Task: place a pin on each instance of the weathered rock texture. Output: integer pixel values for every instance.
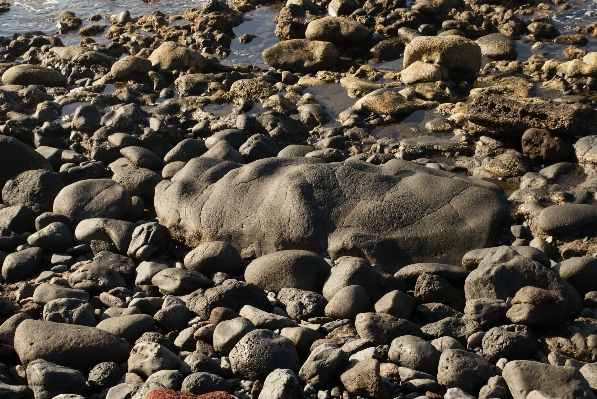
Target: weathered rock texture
(501, 116)
(393, 215)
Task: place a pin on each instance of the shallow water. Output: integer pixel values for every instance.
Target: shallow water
(41, 15)
(259, 23)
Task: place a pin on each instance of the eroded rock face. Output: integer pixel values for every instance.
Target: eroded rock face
(499, 116)
(456, 53)
(172, 55)
(300, 55)
(393, 215)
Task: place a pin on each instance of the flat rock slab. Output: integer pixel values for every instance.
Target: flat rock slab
(393, 215)
(500, 116)
(68, 345)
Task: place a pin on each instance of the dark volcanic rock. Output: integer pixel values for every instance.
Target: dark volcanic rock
(16, 157)
(262, 351)
(35, 189)
(542, 145)
(392, 215)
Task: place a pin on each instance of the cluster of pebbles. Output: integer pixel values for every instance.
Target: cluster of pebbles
(155, 247)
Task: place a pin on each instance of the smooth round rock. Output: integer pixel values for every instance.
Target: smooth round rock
(288, 269)
(129, 327)
(17, 266)
(348, 303)
(580, 272)
(381, 328)
(203, 383)
(174, 281)
(68, 345)
(55, 237)
(96, 198)
(415, 353)
(214, 256)
(142, 157)
(130, 66)
(566, 218)
(27, 75)
(229, 332)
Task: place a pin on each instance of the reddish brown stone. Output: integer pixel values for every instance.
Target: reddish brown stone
(216, 395)
(344, 330)
(363, 379)
(163, 393)
(537, 308)
(220, 314)
(204, 347)
(205, 333)
(542, 145)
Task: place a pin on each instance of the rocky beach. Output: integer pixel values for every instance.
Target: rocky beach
(313, 199)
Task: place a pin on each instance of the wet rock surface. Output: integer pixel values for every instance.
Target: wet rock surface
(326, 199)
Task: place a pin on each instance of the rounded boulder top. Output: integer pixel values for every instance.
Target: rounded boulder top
(92, 199)
(17, 157)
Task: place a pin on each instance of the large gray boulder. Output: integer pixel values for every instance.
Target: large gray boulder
(35, 189)
(525, 376)
(504, 273)
(288, 269)
(16, 157)
(392, 215)
(68, 345)
(47, 380)
(93, 198)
